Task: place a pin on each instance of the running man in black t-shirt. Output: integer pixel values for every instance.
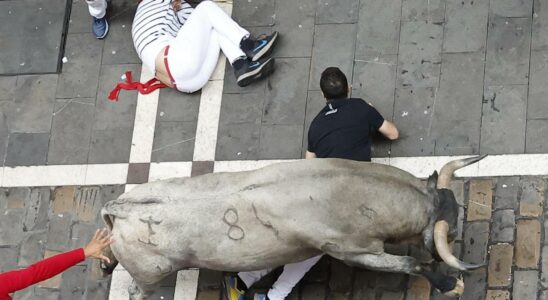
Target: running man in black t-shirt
(342, 129)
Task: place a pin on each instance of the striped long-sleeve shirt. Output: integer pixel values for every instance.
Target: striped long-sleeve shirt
(154, 25)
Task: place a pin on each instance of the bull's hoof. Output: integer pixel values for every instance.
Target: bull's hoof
(457, 290)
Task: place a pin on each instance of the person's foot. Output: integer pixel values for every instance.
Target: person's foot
(260, 296)
(262, 46)
(234, 288)
(250, 71)
(99, 27)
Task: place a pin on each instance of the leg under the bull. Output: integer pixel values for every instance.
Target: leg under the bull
(408, 265)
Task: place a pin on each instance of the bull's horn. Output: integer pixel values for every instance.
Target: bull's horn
(449, 168)
(440, 239)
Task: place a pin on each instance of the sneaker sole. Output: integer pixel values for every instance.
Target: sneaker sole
(266, 69)
(267, 48)
(105, 34)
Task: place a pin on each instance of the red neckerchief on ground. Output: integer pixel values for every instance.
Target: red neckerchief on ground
(130, 85)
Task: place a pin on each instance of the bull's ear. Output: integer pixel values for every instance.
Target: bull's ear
(432, 181)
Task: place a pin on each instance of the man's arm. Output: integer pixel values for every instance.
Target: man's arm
(389, 130)
(309, 155)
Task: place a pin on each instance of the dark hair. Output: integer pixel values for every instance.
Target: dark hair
(333, 83)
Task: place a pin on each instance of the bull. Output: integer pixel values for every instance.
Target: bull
(285, 213)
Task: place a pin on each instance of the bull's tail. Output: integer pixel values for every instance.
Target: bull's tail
(108, 268)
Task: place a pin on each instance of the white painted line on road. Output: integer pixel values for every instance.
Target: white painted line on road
(159, 171)
(208, 121)
(513, 165)
(121, 280)
(106, 174)
(145, 122)
(44, 175)
(1, 175)
(186, 286)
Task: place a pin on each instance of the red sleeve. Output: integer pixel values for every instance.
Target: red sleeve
(19, 279)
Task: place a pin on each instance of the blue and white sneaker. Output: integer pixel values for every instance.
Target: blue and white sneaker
(263, 45)
(99, 27)
(251, 71)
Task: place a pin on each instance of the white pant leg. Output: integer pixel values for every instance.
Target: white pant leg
(290, 276)
(97, 8)
(224, 25)
(199, 80)
(249, 278)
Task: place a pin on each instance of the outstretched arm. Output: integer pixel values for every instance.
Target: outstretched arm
(47, 268)
(389, 130)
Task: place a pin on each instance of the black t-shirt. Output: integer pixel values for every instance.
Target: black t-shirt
(342, 129)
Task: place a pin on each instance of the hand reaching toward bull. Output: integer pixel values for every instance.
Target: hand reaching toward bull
(101, 239)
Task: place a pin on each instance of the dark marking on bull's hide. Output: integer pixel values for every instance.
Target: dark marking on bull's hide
(235, 232)
(150, 221)
(168, 270)
(266, 224)
(367, 212)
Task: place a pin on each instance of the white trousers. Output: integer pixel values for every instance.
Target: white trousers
(97, 8)
(194, 53)
(290, 276)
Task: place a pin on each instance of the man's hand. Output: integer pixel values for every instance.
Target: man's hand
(101, 239)
(309, 155)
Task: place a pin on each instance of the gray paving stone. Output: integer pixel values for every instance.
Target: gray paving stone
(241, 108)
(465, 29)
(390, 295)
(238, 141)
(71, 131)
(536, 141)
(507, 193)
(27, 149)
(175, 106)
(457, 111)
(118, 47)
(503, 225)
(32, 109)
(337, 11)
(80, 74)
(7, 87)
(540, 26)
(12, 219)
(544, 268)
(58, 236)
(73, 283)
(32, 248)
(537, 106)
(285, 100)
(374, 81)
(503, 119)
(37, 293)
(165, 293)
(419, 56)
(295, 22)
(423, 10)
(476, 236)
(413, 117)
(110, 146)
(4, 130)
(254, 13)
(379, 28)
(508, 49)
(511, 8)
(314, 103)
(364, 285)
(80, 19)
(525, 285)
(475, 283)
(330, 39)
(31, 25)
(81, 234)
(8, 258)
(543, 295)
(120, 114)
(281, 141)
(37, 208)
(97, 290)
(174, 141)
